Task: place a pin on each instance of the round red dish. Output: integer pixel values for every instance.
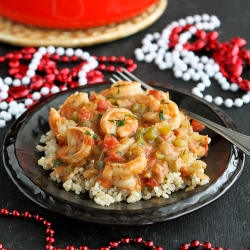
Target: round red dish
(72, 14)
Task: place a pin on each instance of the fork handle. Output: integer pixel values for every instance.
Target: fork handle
(238, 139)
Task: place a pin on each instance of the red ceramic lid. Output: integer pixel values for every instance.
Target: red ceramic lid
(72, 13)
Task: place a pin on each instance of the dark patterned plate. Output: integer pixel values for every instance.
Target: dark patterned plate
(225, 164)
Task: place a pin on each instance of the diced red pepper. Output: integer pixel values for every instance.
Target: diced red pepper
(110, 141)
(165, 137)
(106, 183)
(149, 182)
(92, 97)
(156, 93)
(104, 105)
(83, 115)
(197, 126)
(184, 172)
(114, 157)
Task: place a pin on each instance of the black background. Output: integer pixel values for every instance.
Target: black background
(224, 223)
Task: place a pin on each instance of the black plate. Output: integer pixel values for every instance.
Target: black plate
(225, 164)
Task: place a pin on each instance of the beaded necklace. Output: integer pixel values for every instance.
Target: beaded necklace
(50, 237)
(172, 49)
(27, 84)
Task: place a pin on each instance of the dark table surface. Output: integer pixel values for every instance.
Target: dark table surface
(225, 222)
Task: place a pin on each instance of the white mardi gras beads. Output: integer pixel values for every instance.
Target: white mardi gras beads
(185, 64)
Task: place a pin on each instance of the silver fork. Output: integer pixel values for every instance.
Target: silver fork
(238, 139)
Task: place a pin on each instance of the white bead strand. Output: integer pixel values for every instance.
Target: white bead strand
(185, 64)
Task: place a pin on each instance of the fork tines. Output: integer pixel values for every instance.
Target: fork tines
(127, 76)
(121, 74)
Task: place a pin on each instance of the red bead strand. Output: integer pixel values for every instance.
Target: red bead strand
(47, 74)
(231, 56)
(125, 240)
(50, 240)
(195, 244)
(34, 74)
(207, 246)
(184, 246)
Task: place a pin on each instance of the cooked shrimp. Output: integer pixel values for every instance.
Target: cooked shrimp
(130, 183)
(122, 175)
(168, 113)
(106, 176)
(151, 116)
(152, 103)
(124, 103)
(159, 94)
(119, 121)
(124, 145)
(74, 102)
(59, 125)
(159, 171)
(174, 112)
(129, 169)
(123, 89)
(169, 150)
(79, 145)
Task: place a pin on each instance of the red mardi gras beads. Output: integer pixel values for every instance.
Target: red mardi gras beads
(230, 56)
(51, 76)
(195, 244)
(29, 83)
(50, 239)
(187, 46)
(207, 246)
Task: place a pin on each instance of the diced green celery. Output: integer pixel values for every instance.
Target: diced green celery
(191, 170)
(185, 123)
(141, 140)
(158, 139)
(100, 165)
(113, 101)
(159, 155)
(197, 167)
(151, 134)
(199, 164)
(185, 157)
(96, 150)
(139, 132)
(137, 151)
(75, 117)
(180, 143)
(172, 166)
(165, 129)
(136, 107)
